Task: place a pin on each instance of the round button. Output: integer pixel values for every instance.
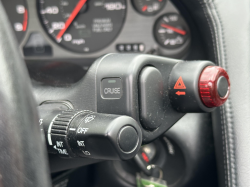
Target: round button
(222, 86)
(214, 86)
(128, 139)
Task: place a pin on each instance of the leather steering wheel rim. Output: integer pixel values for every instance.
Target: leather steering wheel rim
(23, 158)
(224, 26)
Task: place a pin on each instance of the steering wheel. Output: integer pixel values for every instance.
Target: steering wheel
(23, 158)
(224, 26)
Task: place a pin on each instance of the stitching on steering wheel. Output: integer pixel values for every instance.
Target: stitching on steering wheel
(222, 112)
(211, 31)
(226, 112)
(216, 61)
(227, 109)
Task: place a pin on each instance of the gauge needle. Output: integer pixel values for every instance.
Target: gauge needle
(71, 18)
(180, 31)
(144, 8)
(25, 20)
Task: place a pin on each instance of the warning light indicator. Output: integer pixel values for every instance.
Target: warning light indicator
(145, 157)
(179, 84)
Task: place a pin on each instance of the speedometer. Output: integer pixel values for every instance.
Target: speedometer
(83, 26)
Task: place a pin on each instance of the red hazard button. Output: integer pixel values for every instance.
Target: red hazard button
(197, 86)
(214, 86)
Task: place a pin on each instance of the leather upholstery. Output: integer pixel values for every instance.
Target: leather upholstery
(225, 27)
(23, 159)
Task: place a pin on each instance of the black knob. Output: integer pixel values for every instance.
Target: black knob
(128, 139)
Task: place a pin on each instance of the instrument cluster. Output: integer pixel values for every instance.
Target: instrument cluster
(78, 29)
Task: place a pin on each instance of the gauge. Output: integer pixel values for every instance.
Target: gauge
(171, 31)
(18, 15)
(149, 7)
(83, 26)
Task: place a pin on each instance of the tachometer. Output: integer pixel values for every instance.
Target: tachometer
(83, 26)
(18, 15)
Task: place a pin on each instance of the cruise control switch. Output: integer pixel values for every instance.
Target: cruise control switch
(72, 133)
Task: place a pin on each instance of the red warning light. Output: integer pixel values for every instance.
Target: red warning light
(145, 157)
(179, 84)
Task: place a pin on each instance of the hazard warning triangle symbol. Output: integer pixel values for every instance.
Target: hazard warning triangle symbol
(179, 84)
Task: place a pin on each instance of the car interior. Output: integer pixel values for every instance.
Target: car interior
(124, 93)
